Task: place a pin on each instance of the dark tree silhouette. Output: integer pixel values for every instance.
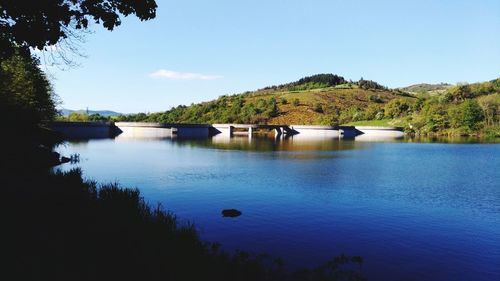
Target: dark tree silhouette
(41, 23)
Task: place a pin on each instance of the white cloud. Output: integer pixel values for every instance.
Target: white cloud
(175, 75)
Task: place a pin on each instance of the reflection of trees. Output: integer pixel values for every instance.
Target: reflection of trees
(263, 144)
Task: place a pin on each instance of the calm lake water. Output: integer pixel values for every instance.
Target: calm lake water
(414, 211)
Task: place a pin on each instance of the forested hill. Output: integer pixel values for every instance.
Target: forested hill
(329, 99)
(318, 99)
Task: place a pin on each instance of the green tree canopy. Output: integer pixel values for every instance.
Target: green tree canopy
(41, 23)
(26, 95)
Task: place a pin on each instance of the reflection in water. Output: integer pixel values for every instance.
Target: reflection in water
(413, 211)
(263, 144)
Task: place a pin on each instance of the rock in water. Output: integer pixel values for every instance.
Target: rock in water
(65, 159)
(231, 213)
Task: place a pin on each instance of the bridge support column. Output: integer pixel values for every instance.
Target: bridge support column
(224, 130)
(278, 132)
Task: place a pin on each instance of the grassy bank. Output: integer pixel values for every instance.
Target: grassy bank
(380, 123)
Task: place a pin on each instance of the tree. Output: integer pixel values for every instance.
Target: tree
(78, 117)
(491, 109)
(472, 114)
(459, 93)
(397, 108)
(272, 110)
(26, 96)
(369, 84)
(41, 23)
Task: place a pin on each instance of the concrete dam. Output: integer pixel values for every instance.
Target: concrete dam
(92, 130)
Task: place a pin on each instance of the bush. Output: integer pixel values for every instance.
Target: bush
(397, 108)
(376, 98)
(318, 108)
(472, 114)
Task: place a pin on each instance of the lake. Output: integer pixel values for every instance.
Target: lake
(412, 210)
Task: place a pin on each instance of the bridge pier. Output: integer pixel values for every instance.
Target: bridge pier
(225, 130)
(278, 133)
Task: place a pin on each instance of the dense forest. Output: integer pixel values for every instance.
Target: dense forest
(328, 99)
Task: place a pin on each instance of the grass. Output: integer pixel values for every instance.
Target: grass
(341, 97)
(381, 123)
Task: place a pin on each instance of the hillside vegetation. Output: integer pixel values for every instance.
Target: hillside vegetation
(424, 88)
(328, 99)
(320, 99)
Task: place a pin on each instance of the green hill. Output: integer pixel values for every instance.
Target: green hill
(319, 99)
(328, 99)
(424, 88)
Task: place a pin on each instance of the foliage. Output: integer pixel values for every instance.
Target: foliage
(491, 108)
(376, 98)
(374, 111)
(82, 117)
(397, 108)
(311, 82)
(426, 89)
(370, 85)
(26, 94)
(42, 23)
(318, 108)
(472, 114)
(461, 109)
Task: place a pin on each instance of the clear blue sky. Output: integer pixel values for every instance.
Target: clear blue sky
(197, 50)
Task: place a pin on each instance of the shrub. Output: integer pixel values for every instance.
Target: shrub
(376, 98)
(318, 107)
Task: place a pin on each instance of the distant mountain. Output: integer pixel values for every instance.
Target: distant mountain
(106, 113)
(426, 88)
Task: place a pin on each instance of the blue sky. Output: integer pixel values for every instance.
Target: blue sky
(197, 50)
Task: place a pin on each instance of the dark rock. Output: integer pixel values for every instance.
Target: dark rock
(65, 159)
(231, 213)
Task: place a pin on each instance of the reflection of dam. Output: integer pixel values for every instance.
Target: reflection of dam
(219, 131)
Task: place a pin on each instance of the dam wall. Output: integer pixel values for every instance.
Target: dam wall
(162, 130)
(84, 130)
(373, 133)
(310, 131)
(123, 130)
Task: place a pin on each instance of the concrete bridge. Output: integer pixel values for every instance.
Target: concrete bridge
(169, 130)
(164, 130)
(231, 129)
